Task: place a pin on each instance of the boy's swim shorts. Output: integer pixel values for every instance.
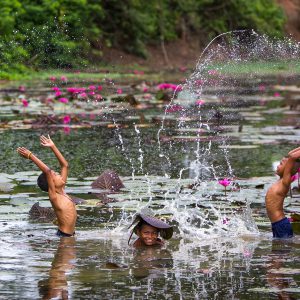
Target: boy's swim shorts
(62, 234)
(282, 229)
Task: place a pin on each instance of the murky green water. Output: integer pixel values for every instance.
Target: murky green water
(234, 260)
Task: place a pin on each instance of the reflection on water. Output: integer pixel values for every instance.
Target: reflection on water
(56, 285)
(278, 276)
(215, 261)
(151, 262)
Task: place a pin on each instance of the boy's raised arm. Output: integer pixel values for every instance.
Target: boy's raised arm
(47, 142)
(29, 155)
(293, 155)
(295, 151)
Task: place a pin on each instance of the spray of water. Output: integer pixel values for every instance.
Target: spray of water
(219, 82)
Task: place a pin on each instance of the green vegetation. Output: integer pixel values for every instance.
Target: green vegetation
(43, 34)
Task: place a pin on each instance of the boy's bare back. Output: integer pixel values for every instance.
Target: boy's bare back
(274, 200)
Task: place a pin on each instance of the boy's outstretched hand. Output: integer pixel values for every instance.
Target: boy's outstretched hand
(46, 141)
(24, 152)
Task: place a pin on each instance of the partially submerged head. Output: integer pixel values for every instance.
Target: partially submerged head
(43, 183)
(280, 168)
(149, 228)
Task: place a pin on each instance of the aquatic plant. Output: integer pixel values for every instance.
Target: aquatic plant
(225, 182)
(66, 119)
(25, 102)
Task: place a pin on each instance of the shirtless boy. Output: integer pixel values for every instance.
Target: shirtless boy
(54, 184)
(288, 166)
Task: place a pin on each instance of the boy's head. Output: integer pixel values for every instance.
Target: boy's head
(147, 233)
(282, 164)
(43, 183)
(149, 228)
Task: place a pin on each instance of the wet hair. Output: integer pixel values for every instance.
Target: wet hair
(42, 182)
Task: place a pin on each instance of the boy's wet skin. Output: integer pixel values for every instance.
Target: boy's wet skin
(148, 236)
(54, 183)
(148, 229)
(277, 192)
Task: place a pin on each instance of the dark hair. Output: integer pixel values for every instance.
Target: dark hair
(42, 182)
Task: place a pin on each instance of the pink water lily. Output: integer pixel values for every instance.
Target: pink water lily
(262, 87)
(98, 97)
(55, 89)
(22, 88)
(100, 88)
(66, 119)
(92, 87)
(82, 95)
(276, 94)
(58, 93)
(174, 108)
(67, 129)
(225, 182)
(169, 86)
(247, 253)
(137, 72)
(212, 72)
(200, 102)
(119, 91)
(73, 90)
(63, 78)
(52, 78)
(63, 100)
(25, 102)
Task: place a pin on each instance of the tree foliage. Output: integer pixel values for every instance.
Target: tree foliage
(64, 33)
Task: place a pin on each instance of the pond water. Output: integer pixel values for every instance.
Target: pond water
(170, 144)
(233, 257)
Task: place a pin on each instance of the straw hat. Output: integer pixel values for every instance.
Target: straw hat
(165, 230)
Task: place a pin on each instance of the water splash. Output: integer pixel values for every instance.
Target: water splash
(219, 83)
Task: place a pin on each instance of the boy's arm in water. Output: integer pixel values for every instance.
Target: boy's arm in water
(47, 142)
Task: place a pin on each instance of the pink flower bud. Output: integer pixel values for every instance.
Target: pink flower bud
(66, 119)
(25, 102)
(63, 100)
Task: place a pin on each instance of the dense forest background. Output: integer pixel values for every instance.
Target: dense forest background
(43, 34)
